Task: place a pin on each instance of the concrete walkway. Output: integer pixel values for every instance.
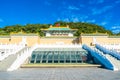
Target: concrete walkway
(60, 74)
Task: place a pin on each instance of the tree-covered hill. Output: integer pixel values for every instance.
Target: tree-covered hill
(36, 28)
(85, 27)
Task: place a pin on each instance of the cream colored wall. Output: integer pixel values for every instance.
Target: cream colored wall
(114, 40)
(15, 39)
(31, 40)
(108, 40)
(87, 40)
(55, 41)
(100, 39)
(4, 40)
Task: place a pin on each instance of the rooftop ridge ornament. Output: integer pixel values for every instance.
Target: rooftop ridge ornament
(67, 26)
(57, 25)
(51, 26)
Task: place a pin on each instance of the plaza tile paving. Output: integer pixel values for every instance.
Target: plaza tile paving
(60, 74)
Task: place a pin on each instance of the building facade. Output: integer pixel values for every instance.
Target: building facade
(59, 31)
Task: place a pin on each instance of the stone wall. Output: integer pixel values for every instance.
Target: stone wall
(89, 40)
(34, 39)
(5, 40)
(57, 41)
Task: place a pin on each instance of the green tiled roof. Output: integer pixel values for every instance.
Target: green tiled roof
(95, 34)
(22, 34)
(5, 36)
(59, 28)
(114, 36)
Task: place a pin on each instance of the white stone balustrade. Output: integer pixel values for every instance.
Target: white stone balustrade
(8, 49)
(24, 54)
(115, 47)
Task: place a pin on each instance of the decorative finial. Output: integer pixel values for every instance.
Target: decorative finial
(50, 26)
(67, 26)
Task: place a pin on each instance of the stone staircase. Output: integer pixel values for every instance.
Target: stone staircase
(114, 61)
(6, 63)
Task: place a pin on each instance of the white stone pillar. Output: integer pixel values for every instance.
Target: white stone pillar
(48, 34)
(70, 34)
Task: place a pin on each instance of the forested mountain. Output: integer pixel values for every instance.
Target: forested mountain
(85, 27)
(36, 28)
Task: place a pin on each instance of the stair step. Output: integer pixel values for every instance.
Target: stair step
(113, 60)
(7, 62)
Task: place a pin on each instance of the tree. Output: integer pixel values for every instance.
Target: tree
(82, 27)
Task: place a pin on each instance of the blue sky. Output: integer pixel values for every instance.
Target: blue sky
(102, 12)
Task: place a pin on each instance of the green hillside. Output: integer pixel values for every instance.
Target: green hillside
(36, 28)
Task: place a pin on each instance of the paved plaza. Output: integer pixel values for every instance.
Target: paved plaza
(60, 74)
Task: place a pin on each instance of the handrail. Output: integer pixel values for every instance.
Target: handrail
(21, 57)
(106, 51)
(103, 60)
(9, 49)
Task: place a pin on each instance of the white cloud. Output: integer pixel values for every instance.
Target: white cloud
(115, 27)
(58, 19)
(72, 19)
(73, 8)
(99, 11)
(1, 20)
(91, 21)
(116, 31)
(95, 1)
(103, 23)
(75, 19)
(66, 20)
(80, 17)
(63, 19)
(118, 1)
